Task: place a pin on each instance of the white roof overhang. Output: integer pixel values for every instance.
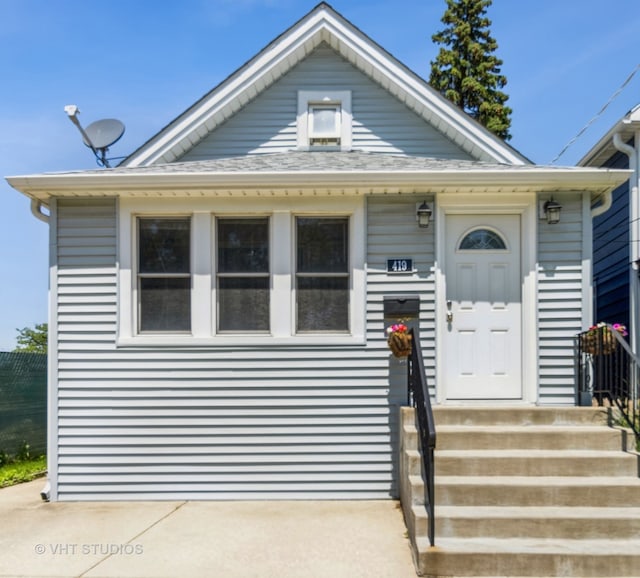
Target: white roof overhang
(170, 183)
(322, 24)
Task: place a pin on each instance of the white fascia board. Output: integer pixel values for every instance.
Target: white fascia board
(600, 153)
(284, 52)
(416, 88)
(42, 187)
(273, 57)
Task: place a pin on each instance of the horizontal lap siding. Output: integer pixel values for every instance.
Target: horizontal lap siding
(393, 233)
(207, 423)
(560, 302)
(381, 123)
(611, 259)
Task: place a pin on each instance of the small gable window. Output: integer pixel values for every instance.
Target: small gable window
(324, 120)
(324, 124)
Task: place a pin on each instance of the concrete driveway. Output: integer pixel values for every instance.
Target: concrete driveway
(209, 539)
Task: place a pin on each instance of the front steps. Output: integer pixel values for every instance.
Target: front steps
(524, 491)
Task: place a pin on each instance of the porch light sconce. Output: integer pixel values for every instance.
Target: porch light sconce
(423, 215)
(552, 211)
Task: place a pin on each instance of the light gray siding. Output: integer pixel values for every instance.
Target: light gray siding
(381, 123)
(560, 299)
(276, 422)
(221, 423)
(391, 234)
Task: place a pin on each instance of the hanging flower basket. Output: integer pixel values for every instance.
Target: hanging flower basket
(599, 339)
(399, 340)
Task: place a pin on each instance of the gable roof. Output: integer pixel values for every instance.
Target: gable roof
(627, 127)
(322, 24)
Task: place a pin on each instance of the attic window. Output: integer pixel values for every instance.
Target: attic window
(324, 124)
(324, 120)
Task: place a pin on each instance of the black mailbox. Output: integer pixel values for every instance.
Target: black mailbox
(401, 306)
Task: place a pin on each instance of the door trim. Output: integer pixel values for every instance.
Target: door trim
(523, 204)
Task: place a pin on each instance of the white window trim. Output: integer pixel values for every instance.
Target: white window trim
(282, 213)
(307, 98)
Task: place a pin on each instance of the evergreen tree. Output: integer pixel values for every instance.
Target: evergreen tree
(466, 70)
(32, 340)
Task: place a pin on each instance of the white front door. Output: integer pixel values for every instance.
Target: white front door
(483, 300)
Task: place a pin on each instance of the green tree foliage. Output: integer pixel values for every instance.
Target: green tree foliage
(32, 340)
(466, 70)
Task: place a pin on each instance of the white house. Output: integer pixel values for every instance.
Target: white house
(217, 325)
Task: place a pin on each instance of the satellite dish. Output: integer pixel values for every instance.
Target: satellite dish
(101, 134)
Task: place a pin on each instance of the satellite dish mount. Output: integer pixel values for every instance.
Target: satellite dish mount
(99, 135)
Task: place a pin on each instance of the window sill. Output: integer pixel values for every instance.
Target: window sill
(244, 341)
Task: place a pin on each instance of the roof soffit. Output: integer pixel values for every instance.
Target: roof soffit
(322, 24)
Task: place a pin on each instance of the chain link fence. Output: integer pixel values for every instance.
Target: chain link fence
(23, 403)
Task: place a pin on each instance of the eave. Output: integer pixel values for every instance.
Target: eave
(132, 183)
(627, 127)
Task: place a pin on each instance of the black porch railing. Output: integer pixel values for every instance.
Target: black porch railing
(419, 398)
(609, 373)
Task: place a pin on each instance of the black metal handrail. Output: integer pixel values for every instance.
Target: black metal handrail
(420, 399)
(609, 372)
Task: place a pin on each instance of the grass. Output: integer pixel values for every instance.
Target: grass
(22, 471)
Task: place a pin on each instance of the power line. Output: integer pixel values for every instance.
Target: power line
(597, 116)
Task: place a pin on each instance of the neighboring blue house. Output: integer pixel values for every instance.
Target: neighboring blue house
(616, 230)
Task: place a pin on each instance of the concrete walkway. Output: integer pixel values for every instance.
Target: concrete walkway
(200, 539)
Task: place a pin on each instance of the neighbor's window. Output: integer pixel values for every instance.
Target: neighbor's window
(164, 274)
(322, 274)
(243, 282)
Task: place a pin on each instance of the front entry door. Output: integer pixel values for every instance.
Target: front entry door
(483, 334)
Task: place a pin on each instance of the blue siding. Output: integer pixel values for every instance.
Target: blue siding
(611, 257)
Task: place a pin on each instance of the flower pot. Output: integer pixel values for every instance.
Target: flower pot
(400, 343)
(598, 343)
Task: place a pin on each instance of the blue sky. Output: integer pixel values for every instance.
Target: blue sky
(145, 61)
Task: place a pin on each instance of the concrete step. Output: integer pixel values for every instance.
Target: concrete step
(511, 437)
(414, 462)
(584, 523)
(520, 415)
(529, 557)
(561, 491)
(535, 463)
(525, 491)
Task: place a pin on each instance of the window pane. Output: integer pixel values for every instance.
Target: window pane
(243, 245)
(163, 245)
(482, 240)
(165, 304)
(243, 304)
(324, 121)
(323, 304)
(323, 245)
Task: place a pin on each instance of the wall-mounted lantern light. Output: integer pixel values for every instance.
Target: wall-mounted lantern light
(552, 211)
(423, 215)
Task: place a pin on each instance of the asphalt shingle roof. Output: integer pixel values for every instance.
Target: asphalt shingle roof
(318, 161)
